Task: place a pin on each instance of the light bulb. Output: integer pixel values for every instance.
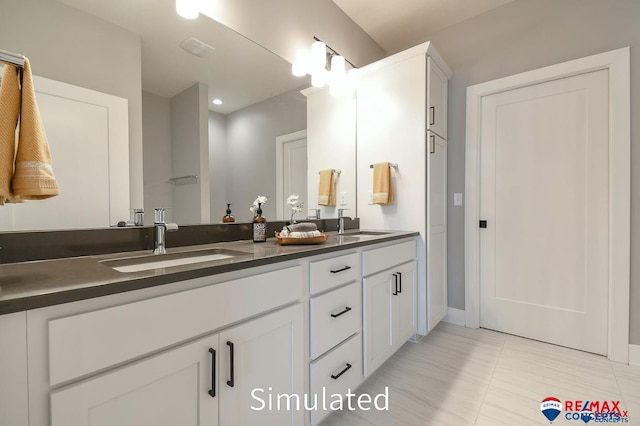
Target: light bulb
(318, 55)
(216, 101)
(298, 69)
(338, 79)
(188, 9)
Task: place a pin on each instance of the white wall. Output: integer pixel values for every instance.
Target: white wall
(331, 144)
(251, 150)
(518, 37)
(156, 128)
(189, 155)
(71, 46)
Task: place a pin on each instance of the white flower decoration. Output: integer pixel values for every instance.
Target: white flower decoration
(296, 204)
(262, 199)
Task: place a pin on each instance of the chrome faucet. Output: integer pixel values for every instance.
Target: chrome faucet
(159, 229)
(341, 221)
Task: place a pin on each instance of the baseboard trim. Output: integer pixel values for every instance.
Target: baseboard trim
(634, 354)
(455, 316)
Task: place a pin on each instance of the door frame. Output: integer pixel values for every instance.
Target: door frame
(617, 62)
(280, 141)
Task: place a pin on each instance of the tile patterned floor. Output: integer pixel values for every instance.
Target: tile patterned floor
(459, 376)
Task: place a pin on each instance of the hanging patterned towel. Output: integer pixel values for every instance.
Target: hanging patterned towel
(9, 113)
(327, 190)
(33, 178)
(382, 185)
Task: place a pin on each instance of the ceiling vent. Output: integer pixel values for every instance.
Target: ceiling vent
(197, 47)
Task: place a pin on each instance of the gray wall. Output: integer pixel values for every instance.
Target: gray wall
(189, 138)
(522, 36)
(251, 150)
(218, 166)
(156, 128)
(74, 47)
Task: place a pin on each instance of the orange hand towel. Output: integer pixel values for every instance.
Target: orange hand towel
(9, 113)
(382, 185)
(33, 178)
(327, 190)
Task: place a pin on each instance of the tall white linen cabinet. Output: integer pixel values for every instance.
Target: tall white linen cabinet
(402, 118)
(398, 114)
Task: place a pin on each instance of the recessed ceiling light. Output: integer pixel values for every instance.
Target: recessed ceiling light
(217, 102)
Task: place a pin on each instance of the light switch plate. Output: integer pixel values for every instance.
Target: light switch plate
(370, 192)
(343, 198)
(457, 199)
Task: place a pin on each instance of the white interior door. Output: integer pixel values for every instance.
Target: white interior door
(294, 173)
(544, 194)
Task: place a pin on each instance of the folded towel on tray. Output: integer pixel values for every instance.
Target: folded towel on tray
(302, 227)
(311, 234)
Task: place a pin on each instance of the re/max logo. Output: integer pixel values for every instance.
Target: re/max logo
(595, 407)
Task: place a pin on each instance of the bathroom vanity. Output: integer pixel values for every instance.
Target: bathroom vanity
(202, 343)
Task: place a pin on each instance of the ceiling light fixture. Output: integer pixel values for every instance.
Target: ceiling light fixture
(216, 102)
(188, 9)
(314, 63)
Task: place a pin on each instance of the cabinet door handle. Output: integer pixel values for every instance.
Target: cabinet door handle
(230, 382)
(432, 139)
(400, 281)
(395, 285)
(337, 376)
(212, 391)
(335, 271)
(346, 309)
(432, 121)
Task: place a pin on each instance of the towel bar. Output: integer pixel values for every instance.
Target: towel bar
(338, 171)
(193, 178)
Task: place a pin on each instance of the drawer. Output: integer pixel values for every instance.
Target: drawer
(325, 376)
(379, 259)
(89, 342)
(334, 316)
(329, 273)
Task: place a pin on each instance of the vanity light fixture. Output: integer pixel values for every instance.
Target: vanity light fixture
(314, 63)
(188, 9)
(216, 101)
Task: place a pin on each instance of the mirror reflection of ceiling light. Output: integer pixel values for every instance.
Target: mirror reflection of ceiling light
(217, 102)
(188, 9)
(314, 63)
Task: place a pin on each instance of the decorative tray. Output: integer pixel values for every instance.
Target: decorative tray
(283, 241)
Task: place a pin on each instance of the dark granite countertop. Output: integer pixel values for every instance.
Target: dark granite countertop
(36, 284)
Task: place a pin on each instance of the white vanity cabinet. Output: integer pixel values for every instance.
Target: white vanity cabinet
(113, 361)
(390, 301)
(168, 389)
(335, 329)
(14, 402)
(199, 382)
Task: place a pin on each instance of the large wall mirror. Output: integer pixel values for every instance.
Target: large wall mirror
(230, 147)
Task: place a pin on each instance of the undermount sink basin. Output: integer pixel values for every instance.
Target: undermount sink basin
(146, 263)
(366, 233)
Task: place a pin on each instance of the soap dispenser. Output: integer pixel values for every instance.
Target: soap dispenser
(259, 226)
(227, 218)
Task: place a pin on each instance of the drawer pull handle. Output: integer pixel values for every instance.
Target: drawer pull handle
(395, 286)
(212, 391)
(347, 309)
(337, 376)
(346, 268)
(400, 280)
(432, 110)
(230, 382)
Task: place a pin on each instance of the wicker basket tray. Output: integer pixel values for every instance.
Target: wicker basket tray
(283, 241)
